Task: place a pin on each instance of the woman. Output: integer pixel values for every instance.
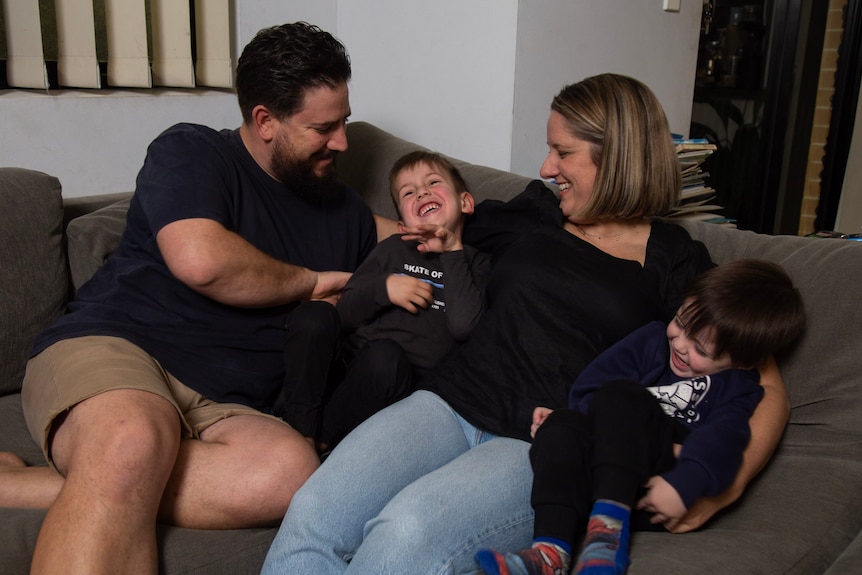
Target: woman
(422, 485)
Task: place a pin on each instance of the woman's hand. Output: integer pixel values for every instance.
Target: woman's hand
(663, 501)
(767, 425)
(408, 292)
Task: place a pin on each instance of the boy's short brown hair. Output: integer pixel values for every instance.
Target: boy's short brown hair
(432, 159)
(751, 307)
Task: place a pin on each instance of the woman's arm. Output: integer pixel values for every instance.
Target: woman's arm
(385, 227)
(767, 425)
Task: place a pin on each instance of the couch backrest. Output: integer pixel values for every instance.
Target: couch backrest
(366, 163)
(34, 281)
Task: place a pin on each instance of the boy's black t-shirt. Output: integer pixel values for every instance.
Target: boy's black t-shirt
(226, 353)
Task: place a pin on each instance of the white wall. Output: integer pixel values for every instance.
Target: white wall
(561, 42)
(439, 73)
(470, 78)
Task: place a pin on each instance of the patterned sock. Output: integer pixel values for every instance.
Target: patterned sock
(606, 546)
(543, 558)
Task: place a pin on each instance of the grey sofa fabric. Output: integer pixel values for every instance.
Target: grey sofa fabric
(33, 264)
(802, 515)
(93, 237)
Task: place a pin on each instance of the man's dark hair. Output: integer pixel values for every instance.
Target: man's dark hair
(281, 63)
(751, 306)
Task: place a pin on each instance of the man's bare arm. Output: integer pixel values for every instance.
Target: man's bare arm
(222, 265)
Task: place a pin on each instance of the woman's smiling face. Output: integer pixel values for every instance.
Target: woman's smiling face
(570, 164)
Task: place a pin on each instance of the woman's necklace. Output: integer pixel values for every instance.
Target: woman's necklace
(598, 237)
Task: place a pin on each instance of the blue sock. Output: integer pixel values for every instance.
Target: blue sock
(545, 557)
(606, 545)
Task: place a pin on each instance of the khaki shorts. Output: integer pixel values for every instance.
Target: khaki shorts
(73, 370)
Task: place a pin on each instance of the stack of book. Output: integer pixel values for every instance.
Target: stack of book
(697, 197)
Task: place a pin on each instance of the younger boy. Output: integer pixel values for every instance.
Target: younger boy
(590, 461)
(414, 296)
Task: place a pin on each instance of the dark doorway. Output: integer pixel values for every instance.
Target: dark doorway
(755, 95)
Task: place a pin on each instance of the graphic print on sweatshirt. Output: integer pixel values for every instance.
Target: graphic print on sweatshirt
(433, 277)
(681, 399)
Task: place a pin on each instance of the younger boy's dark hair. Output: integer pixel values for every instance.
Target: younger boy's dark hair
(432, 159)
(752, 307)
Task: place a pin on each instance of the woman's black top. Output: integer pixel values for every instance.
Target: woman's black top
(554, 302)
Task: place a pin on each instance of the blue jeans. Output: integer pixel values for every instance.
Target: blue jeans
(414, 489)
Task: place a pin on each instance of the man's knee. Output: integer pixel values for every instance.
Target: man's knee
(129, 433)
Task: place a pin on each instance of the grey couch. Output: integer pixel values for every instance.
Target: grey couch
(802, 515)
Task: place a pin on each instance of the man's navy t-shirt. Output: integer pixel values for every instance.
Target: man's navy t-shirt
(226, 353)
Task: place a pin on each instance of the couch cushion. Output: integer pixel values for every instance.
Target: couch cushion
(34, 282)
(14, 436)
(822, 372)
(186, 551)
(93, 237)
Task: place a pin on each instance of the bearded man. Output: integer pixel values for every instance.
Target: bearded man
(152, 398)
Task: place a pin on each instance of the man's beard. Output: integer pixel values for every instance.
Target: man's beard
(299, 175)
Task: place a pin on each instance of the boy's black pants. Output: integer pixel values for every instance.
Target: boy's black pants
(609, 453)
(325, 395)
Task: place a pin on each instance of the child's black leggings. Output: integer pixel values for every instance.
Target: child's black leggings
(609, 453)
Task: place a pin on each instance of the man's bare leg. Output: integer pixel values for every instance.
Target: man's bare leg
(195, 497)
(26, 487)
(117, 450)
(242, 473)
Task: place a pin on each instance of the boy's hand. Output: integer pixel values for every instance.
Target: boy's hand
(433, 238)
(663, 501)
(540, 414)
(409, 292)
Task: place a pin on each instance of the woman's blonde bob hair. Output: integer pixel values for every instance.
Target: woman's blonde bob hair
(638, 169)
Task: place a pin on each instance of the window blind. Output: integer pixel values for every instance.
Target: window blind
(128, 58)
(25, 61)
(212, 28)
(172, 43)
(77, 65)
(117, 43)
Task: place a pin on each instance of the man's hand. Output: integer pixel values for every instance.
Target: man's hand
(433, 238)
(328, 286)
(409, 293)
(540, 414)
(663, 501)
